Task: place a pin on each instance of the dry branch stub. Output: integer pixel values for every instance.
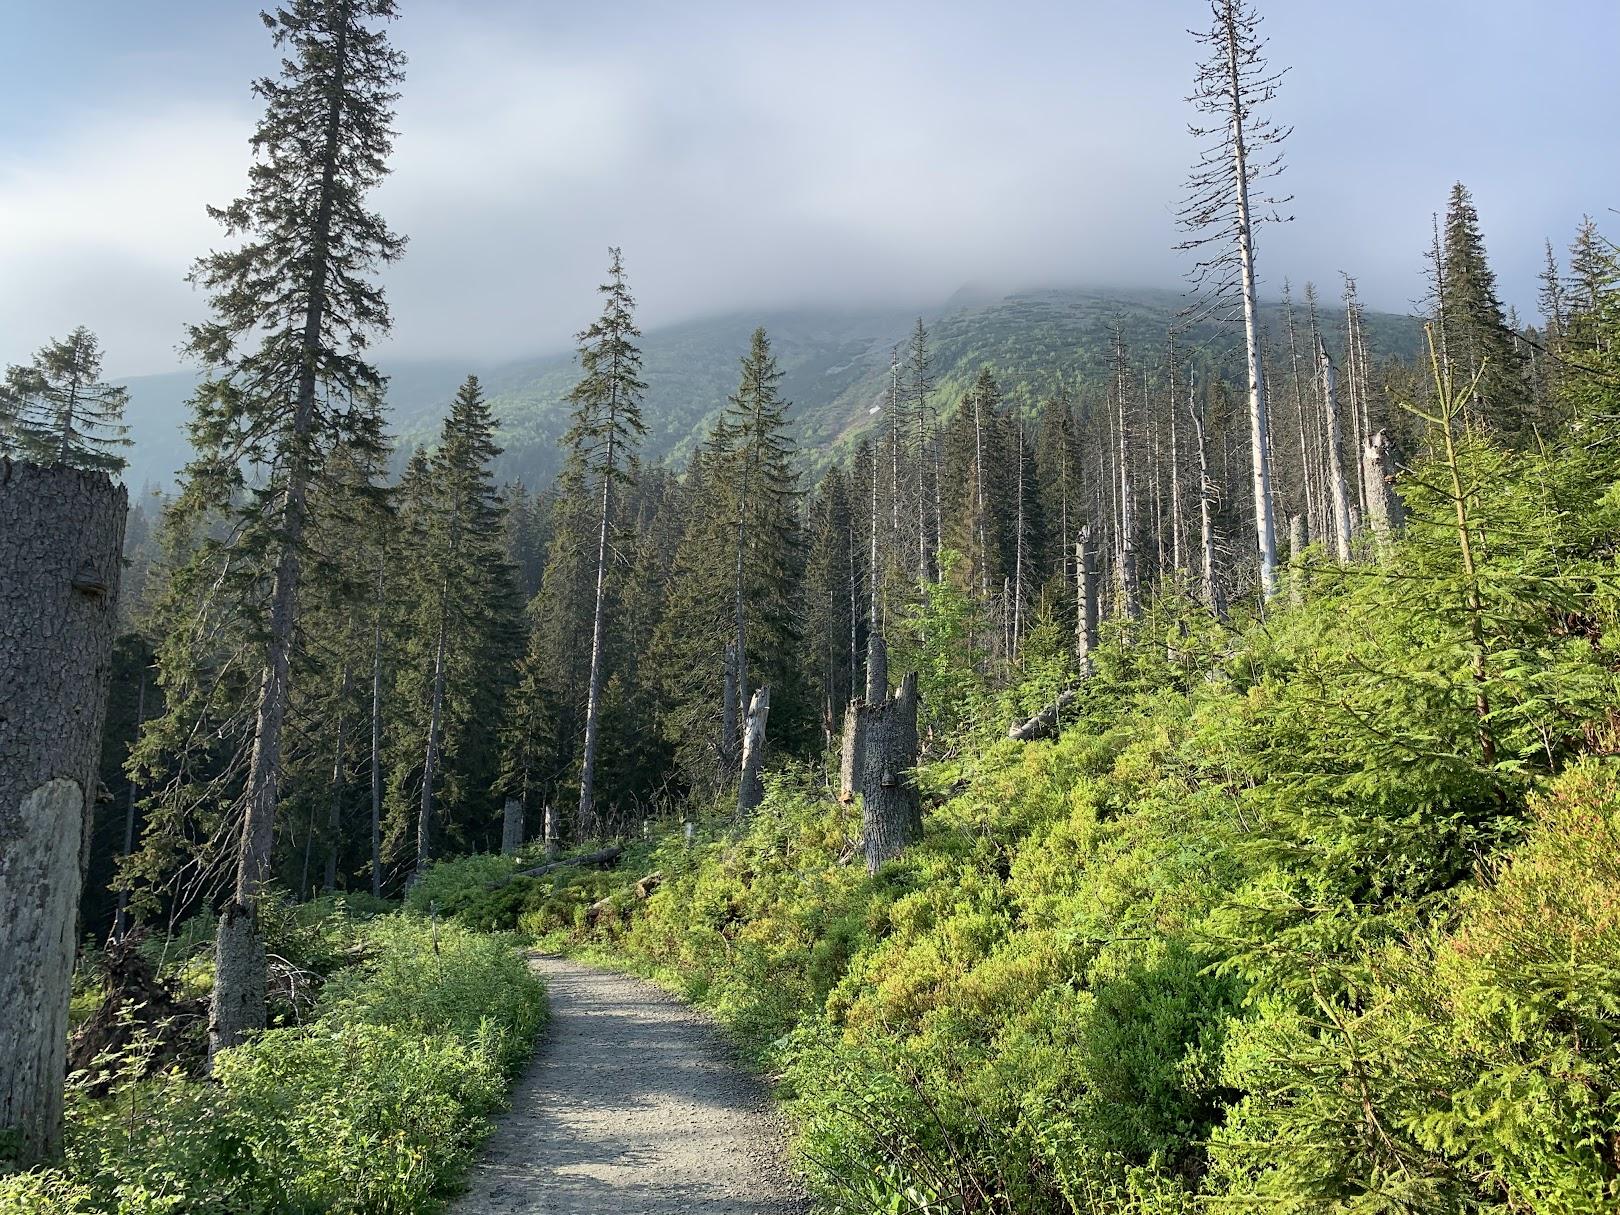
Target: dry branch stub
(61, 538)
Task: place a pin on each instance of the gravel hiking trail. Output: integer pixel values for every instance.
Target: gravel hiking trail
(632, 1105)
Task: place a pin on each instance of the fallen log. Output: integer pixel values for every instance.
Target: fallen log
(1044, 722)
(603, 857)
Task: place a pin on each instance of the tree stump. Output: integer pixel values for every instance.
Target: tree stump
(511, 826)
(891, 810)
(1085, 610)
(61, 543)
(1380, 463)
(751, 789)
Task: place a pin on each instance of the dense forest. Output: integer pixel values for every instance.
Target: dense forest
(1155, 764)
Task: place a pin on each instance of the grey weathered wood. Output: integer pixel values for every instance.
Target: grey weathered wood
(602, 856)
(849, 754)
(1337, 486)
(61, 537)
(877, 668)
(550, 830)
(1299, 576)
(334, 818)
(1379, 466)
(751, 788)
(1206, 528)
(1085, 613)
(1044, 722)
(511, 826)
(891, 810)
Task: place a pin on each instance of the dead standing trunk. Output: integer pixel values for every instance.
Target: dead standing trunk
(1385, 514)
(1212, 590)
(511, 826)
(751, 789)
(1085, 623)
(891, 809)
(61, 536)
(1336, 482)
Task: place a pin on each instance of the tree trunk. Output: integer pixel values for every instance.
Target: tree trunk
(730, 711)
(1385, 514)
(1212, 590)
(891, 810)
(430, 763)
(1298, 575)
(1044, 722)
(61, 539)
(549, 829)
(512, 826)
(334, 820)
(849, 754)
(751, 789)
(1085, 623)
(877, 669)
(237, 1006)
(1130, 600)
(121, 916)
(376, 745)
(593, 702)
(1340, 491)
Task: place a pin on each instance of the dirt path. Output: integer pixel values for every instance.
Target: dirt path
(632, 1105)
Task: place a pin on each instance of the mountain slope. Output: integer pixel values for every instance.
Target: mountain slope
(835, 364)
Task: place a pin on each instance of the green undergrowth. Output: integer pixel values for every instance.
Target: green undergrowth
(1315, 913)
(372, 1102)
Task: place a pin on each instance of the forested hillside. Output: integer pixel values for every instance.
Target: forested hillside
(835, 365)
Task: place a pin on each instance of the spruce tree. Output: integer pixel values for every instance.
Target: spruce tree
(56, 409)
(294, 307)
(605, 426)
(1477, 342)
(465, 638)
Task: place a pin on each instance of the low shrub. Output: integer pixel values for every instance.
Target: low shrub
(374, 1106)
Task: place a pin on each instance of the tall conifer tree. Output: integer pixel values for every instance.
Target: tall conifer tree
(605, 427)
(294, 306)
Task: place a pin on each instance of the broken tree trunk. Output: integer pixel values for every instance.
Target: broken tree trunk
(1085, 614)
(891, 811)
(1335, 442)
(1044, 722)
(877, 669)
(61, 539)
(511, 826)
(1379, 465)
(602, 856)
(751, 789)
(849, 754)
(1298, 575)
(551, 830)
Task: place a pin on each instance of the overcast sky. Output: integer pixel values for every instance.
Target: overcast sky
(758, 154)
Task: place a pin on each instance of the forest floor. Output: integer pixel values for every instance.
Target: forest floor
(633, 1103)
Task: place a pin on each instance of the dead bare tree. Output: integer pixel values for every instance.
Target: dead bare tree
(1233, 86)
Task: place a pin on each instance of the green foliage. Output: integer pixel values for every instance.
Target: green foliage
(1267, 926)
(373, 1106)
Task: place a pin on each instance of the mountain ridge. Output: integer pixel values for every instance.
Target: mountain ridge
(835, 366)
